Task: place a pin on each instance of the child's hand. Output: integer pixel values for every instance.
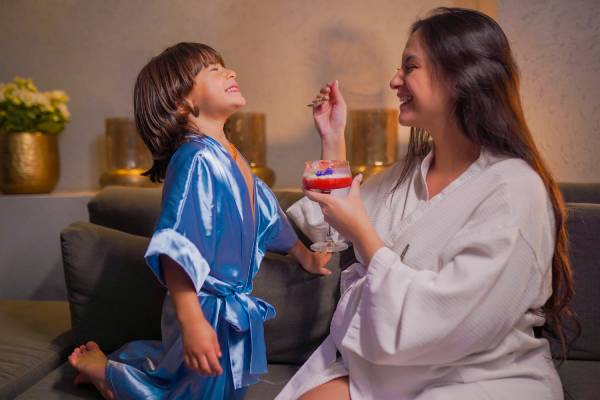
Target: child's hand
(201, 348)
(315, 263)
(311, 262)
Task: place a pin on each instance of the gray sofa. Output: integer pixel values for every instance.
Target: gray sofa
(113, 298)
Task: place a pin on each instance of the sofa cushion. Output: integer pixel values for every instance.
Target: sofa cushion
(580, 379)
(113, 295)
(34, 339)
(58, 385)
(115, 298)
(272, 383)
(584, 231)
(128, 209)
(136, 210)
(304, 303)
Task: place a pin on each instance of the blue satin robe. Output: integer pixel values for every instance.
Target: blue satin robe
(206, 226)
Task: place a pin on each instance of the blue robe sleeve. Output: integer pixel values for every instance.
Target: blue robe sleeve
(184, 231)
(281, 236)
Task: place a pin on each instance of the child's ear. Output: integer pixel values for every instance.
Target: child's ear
(186, 107)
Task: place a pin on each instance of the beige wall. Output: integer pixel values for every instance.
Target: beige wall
(557, 47)
(283, 51)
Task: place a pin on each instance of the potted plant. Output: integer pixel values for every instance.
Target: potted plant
(30, 121)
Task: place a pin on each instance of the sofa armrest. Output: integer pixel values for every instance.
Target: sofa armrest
(580, 192)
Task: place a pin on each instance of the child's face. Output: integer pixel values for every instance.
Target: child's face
(216, 92)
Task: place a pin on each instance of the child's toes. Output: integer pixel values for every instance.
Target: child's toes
(92, 346)
(73, 359)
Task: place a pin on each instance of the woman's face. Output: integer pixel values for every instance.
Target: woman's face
(216, 91)
(424, 99)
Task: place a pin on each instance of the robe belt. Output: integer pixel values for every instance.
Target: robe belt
(246, 314)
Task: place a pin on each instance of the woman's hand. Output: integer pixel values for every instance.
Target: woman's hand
(329, 113)
(349, 217)
(201, 350)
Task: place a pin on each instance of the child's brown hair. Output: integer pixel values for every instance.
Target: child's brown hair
(161, 114)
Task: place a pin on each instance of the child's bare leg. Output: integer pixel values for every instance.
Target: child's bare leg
(91, 362)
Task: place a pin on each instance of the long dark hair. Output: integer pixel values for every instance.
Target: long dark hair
(161, 115)
(470, 50)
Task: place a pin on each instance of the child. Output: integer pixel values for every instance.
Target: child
(217, 222)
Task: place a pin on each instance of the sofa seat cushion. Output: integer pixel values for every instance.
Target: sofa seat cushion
(580, 379)
(58, 385)
(34, 339)
(271, 383)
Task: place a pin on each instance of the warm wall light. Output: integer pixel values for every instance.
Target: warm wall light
(371, 138)
(126, 155)
(488, 7)
(246, 130)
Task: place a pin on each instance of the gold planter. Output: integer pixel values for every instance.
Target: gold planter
(29, 162)
(371, 138)
(246, 130)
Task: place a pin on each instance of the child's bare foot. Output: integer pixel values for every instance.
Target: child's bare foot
(91, 362)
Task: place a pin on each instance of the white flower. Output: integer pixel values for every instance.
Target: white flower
(31, 106)
(64, 111)
(24, 97)
(58, 95)
(43, 101)
(31, 99)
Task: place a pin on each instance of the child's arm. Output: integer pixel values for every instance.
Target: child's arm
(312, 262)
(200, 344)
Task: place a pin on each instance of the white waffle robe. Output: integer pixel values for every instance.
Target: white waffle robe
(454, 317)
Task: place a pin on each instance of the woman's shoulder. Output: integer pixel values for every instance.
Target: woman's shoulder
(521, 183)
(516, 195)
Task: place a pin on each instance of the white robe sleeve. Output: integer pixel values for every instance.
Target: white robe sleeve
(486, 282)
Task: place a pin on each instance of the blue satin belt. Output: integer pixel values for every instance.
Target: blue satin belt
(245, 313)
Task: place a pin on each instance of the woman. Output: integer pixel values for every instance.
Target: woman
(461, 248)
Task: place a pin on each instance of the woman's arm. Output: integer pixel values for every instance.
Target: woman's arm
(200, 343)
(488, 280)
(329, 113)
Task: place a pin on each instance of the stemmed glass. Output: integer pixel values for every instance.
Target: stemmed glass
(325, 176)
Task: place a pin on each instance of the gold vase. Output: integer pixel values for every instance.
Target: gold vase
(246, 130)
(29, 162)
(126, 155)
(371, 138)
